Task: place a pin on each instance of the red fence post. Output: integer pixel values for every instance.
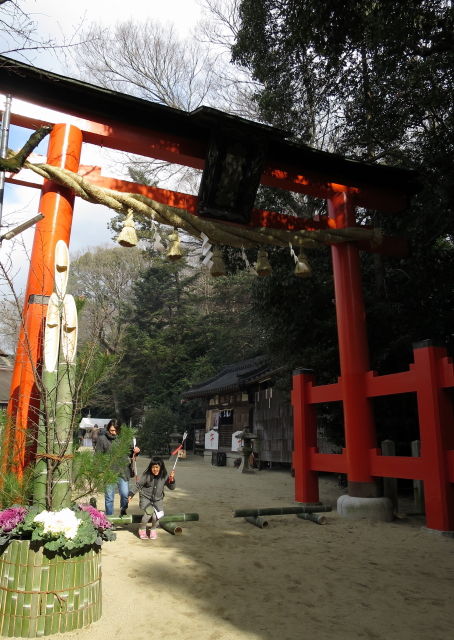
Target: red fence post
(436, 426)
(304, 437)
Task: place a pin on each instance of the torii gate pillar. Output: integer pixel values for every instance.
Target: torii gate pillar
(359, 422)
(56, 204)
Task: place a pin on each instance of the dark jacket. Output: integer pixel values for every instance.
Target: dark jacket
(151, 490)
(104, 445)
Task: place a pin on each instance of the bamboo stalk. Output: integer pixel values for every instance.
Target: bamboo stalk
(62, 588)
(279, 511)
(44, 582)
(36, 585)
(87, 609)
(12, 584)
(5, 569)
(313, 517)
(88, 588)
(61, 491)
(56, 585)
(49, 598)
(20, 588)
(99, 573)
(27, 604)
(175, 517)
(171, 527)
(76, 598)
(84, 593)
(261, 523)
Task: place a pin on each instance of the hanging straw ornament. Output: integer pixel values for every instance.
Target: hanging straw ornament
(175, 250)
(303, 269)
(263, 266)
(128, 235)
(218, 267)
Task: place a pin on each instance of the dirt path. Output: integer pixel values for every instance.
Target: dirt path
(226, 579)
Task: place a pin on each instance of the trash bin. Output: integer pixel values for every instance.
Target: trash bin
(219, 458)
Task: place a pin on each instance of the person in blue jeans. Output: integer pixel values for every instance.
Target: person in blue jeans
(103, 445)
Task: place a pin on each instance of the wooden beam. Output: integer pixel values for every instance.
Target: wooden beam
(191, 153)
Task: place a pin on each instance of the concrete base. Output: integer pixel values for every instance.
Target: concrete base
(356, 508)
(446, 534)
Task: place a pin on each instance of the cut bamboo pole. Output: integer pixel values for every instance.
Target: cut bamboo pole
(44, 586)
(136, 519)
(36, 585)
(11, 596)
(61, 491)
(261, 523)
(313, 517)
(76, 598)
(55, 587)
(47, 421)
(28, 595)
(49, 598)
(20, 588)
(61, 268)
(5, 568)
(279, 511)
(171, 527)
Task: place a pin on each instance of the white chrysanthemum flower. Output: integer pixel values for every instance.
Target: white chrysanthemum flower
(57, 522)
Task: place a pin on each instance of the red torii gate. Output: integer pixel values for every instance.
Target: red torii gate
(120, 122)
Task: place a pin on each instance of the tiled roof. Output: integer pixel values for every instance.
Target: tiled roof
(233, 377)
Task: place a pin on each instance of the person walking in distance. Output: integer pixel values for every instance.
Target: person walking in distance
(151, 491)
(103, 445)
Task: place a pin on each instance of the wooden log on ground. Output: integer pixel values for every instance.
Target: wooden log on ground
(171, 527)
(261, 523)
(279, 511)
(313, 517)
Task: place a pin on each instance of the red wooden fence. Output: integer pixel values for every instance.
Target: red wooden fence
(431, 377)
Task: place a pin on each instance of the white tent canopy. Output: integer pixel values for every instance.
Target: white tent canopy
(87, 424)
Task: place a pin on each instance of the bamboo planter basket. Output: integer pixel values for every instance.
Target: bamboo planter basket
(44, 593)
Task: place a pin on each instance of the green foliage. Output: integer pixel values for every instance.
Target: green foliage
(13, 489)
(374, 81)
(183, 326)
(158, 423)
(93, 471)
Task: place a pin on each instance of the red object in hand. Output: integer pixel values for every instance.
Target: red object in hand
(176, 450)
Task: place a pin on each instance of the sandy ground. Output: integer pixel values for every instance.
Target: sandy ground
(226, 579)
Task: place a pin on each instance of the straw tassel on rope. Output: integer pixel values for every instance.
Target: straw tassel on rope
(175, 250)
(303, 269)
(128, 235)
(218, 267)
(263, 266)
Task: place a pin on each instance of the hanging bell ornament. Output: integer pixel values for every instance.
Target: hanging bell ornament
(303, 269)
(175, 250)
(128, 235)
(263, 266)
(218, 266)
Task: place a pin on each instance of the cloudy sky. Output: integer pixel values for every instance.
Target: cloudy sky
(57, 19)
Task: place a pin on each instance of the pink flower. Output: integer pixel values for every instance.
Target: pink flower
(97, 517)
(10, 518)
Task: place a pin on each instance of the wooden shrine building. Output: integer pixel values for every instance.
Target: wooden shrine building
(232, 397)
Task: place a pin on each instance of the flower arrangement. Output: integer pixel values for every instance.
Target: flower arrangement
(65, 531)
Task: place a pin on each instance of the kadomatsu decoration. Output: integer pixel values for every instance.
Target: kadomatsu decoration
(50, 554)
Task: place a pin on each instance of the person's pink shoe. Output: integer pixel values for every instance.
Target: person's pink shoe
(153, 535)
(143, 534)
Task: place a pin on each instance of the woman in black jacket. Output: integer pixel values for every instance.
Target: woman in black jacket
(103, 445)
(151, 490)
